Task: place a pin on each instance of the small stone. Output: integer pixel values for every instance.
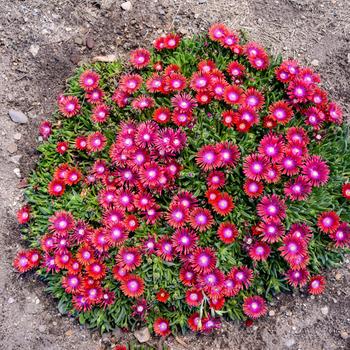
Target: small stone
(54, 323)
(315, 63)
(349, 57)
(17, 136)
(34, 49)
(325, 310)
(12, 148)
(142, 335)
(11, 300)
(17, 171)
(289, 342)
(344, 335)
(42, 328)
(272, 313)
(78, 40)
(108, 58)
(338, 276)
(202, 1)
(126, 6)
(74, 58)
(90, 43)
(260, 20)
(18, 116)
(37, 301)
(289, 313)
(69, 333)
(107, 4)
(15, 159)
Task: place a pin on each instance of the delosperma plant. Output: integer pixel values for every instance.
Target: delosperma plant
(189, 185)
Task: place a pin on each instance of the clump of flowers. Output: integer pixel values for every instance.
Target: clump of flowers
(208, 178)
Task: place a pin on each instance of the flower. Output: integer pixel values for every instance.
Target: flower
(161, 326)
(223, 204)
(69, 106)
(162, 115)
(142, 102)
(22, 262)
(194, 297)
(216, 179)
(89, 80)
(236, 69)
(300, 230)
(297, 277)
(171, 41)
(45, 129)
(129, 258)
(228, 153)
(96, 142)
(346, 191)
(253, 188)
(62, 147)
(184, 241)
(341, 236)
(81, 143)
(272, 146)
(259, 251)
(281, 112)
(217, 31)
(292, 249)
(140, 58)
(253, 98)
(100, 113)
(162, 296)
(328, 221)
(298, 189)
(23, 215)
(132, 286)
(317, 285)
(61, 222)
(298, 91)
(272, 208)
(130, 83)
(95, 96)
(72, 284)
(254, 306)
(201, 219)
(255, 167)
(271, 231)
(203, 260)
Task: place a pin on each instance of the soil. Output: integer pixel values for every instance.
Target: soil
(40, 44)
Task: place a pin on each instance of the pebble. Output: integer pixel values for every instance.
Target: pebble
(338, 276)
(344, 335)
(17, 171)
(289, 342)
(108, 58)
(272, 313)
(260, 20)
(325, 310)
(18, 116)
(90, 43)
(289, 313)
(15, 159)
(42, 328)
(34, 49)
(78, 40)
(126, 6)
(37, 301)
(17, 136)
(11, 300)
(142, 335)
(202, 1)
(12, 148)
(315, 63)
(349, 57)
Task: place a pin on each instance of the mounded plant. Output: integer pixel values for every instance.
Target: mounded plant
(190, 184)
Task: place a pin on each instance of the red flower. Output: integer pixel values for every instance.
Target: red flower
(22, 262)
(194, 297)
(346, 191)
(259, 251)
(23, 215)
(130, 83)
(254, 306)
(201, 219)
(317, 285)
(162, 296)
(281, 112)
(203, 260)
(253, 188)
(341, 236)
(255, 167)
(216, 179)
(96, 142)
(162, 115)
(184, 241)
(132, 286)
(62, 147)
(89, 80)
(217, 31)
(223, 205)
(69, 106)
(129, 258)
(140, 58)
(161, 326)
(328, 221)
(316, 170)
(45, 129)
(100, 113)
(253, 98)
(96, 270)
(81, 143)
(193, 322)
(272, 208)
(61, 222)
(297, 277)
(72, 284)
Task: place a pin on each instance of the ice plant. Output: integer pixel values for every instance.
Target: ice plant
(181, 187)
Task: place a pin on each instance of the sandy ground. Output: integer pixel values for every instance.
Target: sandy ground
(41, 41)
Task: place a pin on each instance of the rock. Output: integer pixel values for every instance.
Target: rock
(289, 342)
(17, 171)
(42, 328)
(108, 58)
(126, 6)
(74, 58)
(69, 333)
(289, 313)
(90, 43)
(315, 63)
(260, 20)
(17, 136)
(12, 148)
(106, 338)
(16, 159)
(325, 310)
(272, 313)
(18, 116)
(37, 301)
(344, 335)
(202, 1)
(107, 4)
(142, 335)
(78, 40)
(349, 57)
(34, 49)
(11, 300)
(338, 276)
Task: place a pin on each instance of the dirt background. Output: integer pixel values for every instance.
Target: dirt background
(41, 41)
